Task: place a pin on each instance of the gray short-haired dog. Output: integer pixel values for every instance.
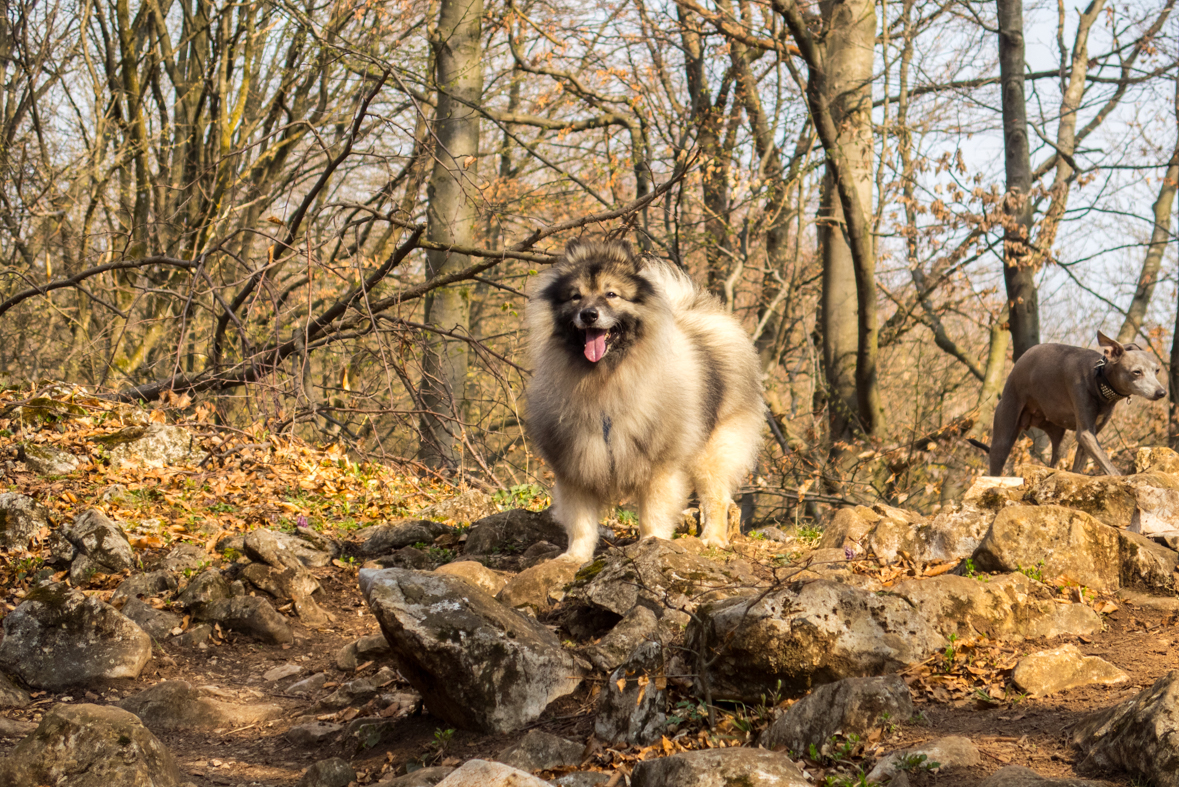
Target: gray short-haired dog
(1057, 387)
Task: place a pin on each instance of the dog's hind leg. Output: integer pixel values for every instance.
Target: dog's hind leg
(1006, 428)
(661, 503)
(1080, 458)
(578, 511)
(717, 473)
(1055, 435)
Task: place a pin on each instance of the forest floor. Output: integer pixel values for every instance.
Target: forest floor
(255, 479)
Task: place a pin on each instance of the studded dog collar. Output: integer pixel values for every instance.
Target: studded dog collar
(1103, 387)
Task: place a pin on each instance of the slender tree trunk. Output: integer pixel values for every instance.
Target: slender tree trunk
(450, 219)
(849, 284)
(1159, 237)
(1019, 271)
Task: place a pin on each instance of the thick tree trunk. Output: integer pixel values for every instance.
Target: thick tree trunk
(849, 284)
(1018, 268)
(450, 220)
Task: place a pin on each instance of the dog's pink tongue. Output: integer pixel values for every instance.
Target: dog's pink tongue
(595, 344)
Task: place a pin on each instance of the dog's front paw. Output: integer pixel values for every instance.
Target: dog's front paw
(716, 542)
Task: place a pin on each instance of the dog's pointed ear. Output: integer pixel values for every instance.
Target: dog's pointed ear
(1113, 350)
(573, 245)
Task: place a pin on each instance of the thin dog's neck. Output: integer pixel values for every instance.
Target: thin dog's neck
(1107, 391)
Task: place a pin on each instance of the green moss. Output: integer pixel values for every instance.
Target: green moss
(586, 573)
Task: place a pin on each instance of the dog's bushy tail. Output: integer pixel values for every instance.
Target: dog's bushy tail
(676, 286)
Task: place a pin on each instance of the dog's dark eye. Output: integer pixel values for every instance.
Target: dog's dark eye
(573, 296)
(611, 294)
(1137, 372)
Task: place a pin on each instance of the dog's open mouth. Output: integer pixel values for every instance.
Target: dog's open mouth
(596, 343)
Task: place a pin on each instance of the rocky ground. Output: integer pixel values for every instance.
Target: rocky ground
(190, 604)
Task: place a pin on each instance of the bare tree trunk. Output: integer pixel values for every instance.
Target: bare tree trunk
(849, 274)
(1159, 237)
(1018, 269)
(450, 218)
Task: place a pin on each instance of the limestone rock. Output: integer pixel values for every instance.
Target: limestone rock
(15, 728)
(513, 532)
(1019, 776)
(249, 615)
(538, 553)
(364, 649)
(636, 627)
(329, 773)
(1140, 735)
(632, 706)
(314, 734)
(1052, 671)
(423, 777)
(539, 587)
(47, 460)
(101, 544)
(382, 539)
(1003, 606)
(483, 773)
(57, 638)
(466, 507)
(154, 583)
(294, 584)
(156, 622)
(819, 633)
(406, 557)
(852, 706)
(308, 686)
(582, 779)
(490, 582)
(1144, 503)
(12, 695)
(660, 572)
(1157, 459)
(282, 672)
(90, 746)
(848, 527)
(720, 768)
(950, 752)
(282, 550)
(153, 446)
(540, 751)
(1146, 564)
(177, 705)
(1071, 546)
(183, 557)
(476, 663)
(21, 518)
(208, 586)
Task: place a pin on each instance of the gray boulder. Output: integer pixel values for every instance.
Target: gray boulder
(21, 518)
(308, 686)
(1004, 606)
(206, 587)
(1061, 543)
(153, 583)
(294, 584)
(58, 637)
(423, 777)
(720, 768)
(632, 706)
(794, 639)
(176, 705)
(406, 557)
(1146, 564)
(662, 573)
(352, 655)
(540, 587)
(952, 751)
(282, 550)
(540, 751)
(852, 706)
(483, 773)
(47, 460)
(102, 546)
(489, 581)
(313, 734)
(153, 446)
(476, 663)
(382, 539)
(329, 773)
(249, 615)
(1064, 668)
(636, 627)
(12, 695)
(512, 532)
(1139, 736)
(90, 746)
(183, 557)
(156, 622)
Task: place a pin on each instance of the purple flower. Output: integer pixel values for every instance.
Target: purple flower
(301, 521)
(849, 553)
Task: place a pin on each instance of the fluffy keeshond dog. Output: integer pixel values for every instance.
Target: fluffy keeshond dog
(642, 387)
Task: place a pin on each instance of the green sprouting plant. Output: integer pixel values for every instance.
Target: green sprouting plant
(440, 554)
(230, 554)
(809, 533)
(757, 535)
(950, 652)
(627, 518)
(917, 762)
(845, 748)
(1036, 572)
(970, 572)
(858, 779)
(687, 711)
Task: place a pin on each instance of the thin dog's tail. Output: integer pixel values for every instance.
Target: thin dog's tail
(979, 444)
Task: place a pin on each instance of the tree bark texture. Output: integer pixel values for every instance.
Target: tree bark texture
(453, 202)
(841, 84)
(1019, 271)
